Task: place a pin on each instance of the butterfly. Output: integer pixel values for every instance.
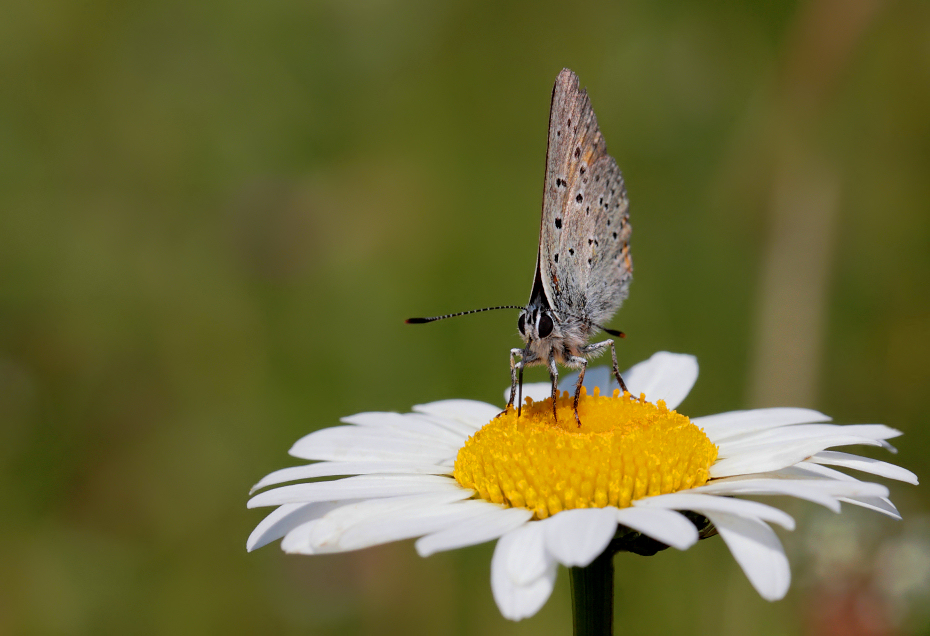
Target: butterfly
(583, 264)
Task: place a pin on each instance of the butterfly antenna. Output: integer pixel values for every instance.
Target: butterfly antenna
(613, 332)
(420, 321)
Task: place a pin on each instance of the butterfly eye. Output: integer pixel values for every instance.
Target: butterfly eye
(521, 324)
(545, 325)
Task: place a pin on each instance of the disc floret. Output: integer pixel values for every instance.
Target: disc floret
(625, 449)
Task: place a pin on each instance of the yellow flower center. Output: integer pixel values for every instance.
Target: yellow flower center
(625, 449)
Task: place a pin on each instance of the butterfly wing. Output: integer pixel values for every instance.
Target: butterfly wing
(584, 263)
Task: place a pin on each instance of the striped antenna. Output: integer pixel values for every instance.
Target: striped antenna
(420, 321)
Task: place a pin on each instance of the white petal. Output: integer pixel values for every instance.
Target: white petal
(407, 524)
(490, 525)
(725, 425)
(776, 455)
(297, 540)
(285, 518)
(362, 487)
(576, 537)
(801, 432)
(730, 450)
(770, 487)
(826, 492)
(517, 601)
(527, 559)
(758, 552)
(334, 469)
(471, 413)
(665, 376)
(458, 429)
(360, 443)
(865, 464)
(703, 503)
(878, 504)
(413, 425)
(324, 534)
(538, 391)
(667, 526)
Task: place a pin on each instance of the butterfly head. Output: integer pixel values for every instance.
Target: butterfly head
(536, 323)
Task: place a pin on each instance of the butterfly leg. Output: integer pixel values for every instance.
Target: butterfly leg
(554, 376)
(514, 366)
(582, 365)
(613, 360)
(596, 348)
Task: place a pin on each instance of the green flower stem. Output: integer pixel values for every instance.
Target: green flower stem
(593, 586)
(593, 596)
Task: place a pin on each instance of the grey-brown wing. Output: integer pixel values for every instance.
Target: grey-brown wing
(585, 231)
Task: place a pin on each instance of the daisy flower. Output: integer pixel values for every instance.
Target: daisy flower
(636, 475)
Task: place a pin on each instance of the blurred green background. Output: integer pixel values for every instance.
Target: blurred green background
(215, 217)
